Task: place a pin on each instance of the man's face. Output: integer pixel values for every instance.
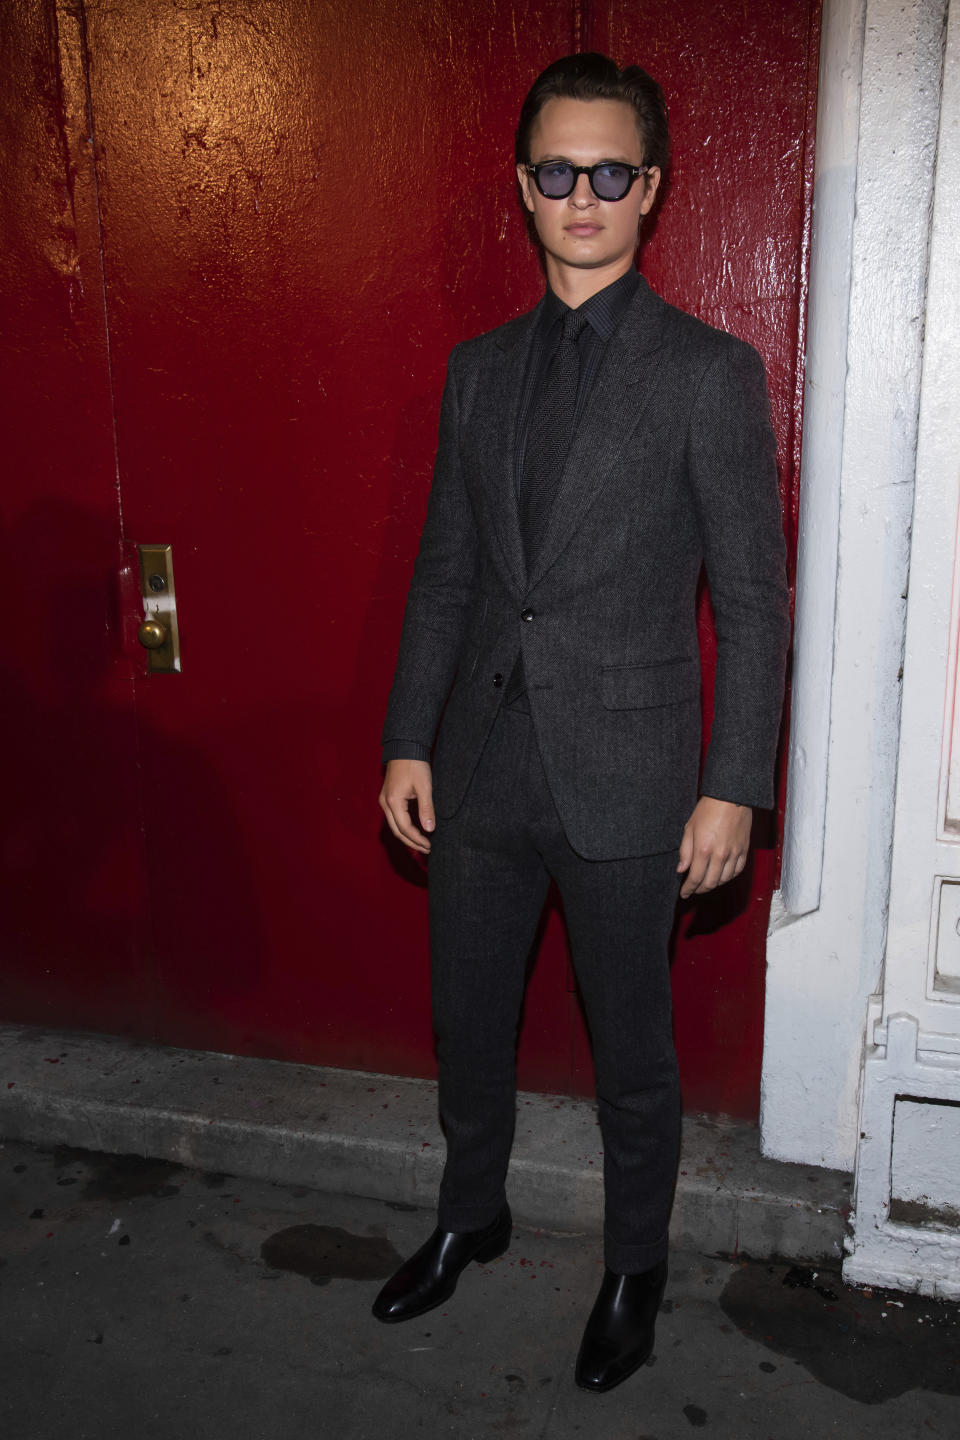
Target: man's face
(581, 231)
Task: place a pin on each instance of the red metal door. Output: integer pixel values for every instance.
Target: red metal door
(300, 207)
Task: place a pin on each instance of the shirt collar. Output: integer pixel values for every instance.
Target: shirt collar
(604, 311)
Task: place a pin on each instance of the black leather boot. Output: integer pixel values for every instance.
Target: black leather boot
(619, 1334)
(430, 1276)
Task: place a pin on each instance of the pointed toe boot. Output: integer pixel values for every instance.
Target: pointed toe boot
(430, 1276)
(619, 1335)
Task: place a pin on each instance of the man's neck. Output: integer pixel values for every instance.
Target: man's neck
(573, 286)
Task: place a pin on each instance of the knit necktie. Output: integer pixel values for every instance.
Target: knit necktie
(550, 433)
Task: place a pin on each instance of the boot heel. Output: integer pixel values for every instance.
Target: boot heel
(496, 1246)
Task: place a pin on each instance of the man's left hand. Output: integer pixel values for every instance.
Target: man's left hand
(714, 847)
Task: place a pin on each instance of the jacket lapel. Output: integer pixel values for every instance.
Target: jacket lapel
(503, 392)
(624, 385)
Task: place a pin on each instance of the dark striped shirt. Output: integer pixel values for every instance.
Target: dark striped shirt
(604, 311)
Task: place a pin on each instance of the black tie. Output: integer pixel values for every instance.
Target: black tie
(549, 435)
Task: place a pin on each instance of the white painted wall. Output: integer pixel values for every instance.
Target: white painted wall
(881, 64)
(909, 1135)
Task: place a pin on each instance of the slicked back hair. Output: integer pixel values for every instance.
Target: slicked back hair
(592, 76)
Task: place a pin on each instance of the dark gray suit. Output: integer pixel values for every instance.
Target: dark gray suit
(673, 466)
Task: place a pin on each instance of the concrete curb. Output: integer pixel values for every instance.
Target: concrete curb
(377, 1135)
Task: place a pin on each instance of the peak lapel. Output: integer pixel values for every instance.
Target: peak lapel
(621, 392)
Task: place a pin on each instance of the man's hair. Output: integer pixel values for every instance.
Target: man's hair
(595, 77)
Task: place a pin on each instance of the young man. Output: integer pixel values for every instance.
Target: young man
(593, 454)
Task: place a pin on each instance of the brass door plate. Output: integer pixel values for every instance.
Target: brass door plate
(159, 634)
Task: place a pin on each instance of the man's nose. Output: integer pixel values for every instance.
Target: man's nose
(582, 194)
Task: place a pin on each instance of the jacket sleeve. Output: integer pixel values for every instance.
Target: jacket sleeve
(732, 465)
(441, 590)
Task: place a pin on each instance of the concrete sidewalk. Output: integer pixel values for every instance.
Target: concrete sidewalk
(349, 1133)
(143, 1299)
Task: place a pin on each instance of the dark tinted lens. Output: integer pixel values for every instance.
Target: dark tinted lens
(611, 181)
(555, 180)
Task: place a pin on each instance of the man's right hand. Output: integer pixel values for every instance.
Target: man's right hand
(408, 780)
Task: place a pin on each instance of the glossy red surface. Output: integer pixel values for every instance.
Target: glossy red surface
(72, 878)
(229, 334)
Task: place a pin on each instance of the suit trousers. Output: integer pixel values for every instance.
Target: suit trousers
(489, 871)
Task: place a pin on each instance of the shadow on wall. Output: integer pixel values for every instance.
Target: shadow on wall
(82, 890)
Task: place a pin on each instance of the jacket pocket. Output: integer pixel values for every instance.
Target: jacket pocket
(641, 687)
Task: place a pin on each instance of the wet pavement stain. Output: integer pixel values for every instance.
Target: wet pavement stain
(802, 1277)
(120, 1177)
(695, 1415)
(325, 1252)
(870, 1345)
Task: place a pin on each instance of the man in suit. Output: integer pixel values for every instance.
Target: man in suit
(593, 455)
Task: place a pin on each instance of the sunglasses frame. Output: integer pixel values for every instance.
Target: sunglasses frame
(634, 172)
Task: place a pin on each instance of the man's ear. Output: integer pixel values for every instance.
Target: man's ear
(651, 181)
(523, 180)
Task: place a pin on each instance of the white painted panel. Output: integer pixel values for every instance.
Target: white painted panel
(947, 953)
(951, 729)
(926, 1150)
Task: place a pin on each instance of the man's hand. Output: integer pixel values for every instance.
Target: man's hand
(404, 781)
(714, 847)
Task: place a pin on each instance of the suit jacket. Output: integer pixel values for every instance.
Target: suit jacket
(673, 467)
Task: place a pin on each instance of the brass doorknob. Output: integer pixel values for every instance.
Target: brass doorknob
(152, 635)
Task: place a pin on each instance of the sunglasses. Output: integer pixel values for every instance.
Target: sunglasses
(610, 180)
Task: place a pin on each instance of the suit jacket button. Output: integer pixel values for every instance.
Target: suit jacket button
(498, 679)
(526, 614)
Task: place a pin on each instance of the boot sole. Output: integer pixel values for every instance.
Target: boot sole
(612, 1384)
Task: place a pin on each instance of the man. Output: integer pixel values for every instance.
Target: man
(592, 456)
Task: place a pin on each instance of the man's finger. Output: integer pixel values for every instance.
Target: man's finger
(714, 875)
(385, 807)
(699, 879)
(428, 819)
(397, 810)
(408, 831)
(695, 874)
(721, 872)
(732, 868)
